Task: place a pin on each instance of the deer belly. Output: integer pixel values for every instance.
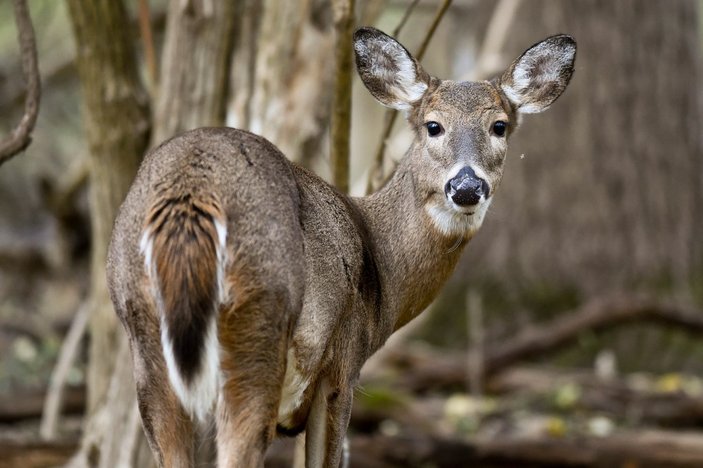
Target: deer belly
(294, 386)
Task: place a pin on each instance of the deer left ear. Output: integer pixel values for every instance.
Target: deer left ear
(538, 77)
(388, 70)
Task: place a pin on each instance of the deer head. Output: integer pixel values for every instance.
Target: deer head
(461, 129)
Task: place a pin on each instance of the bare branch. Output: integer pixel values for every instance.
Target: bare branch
(404, 19)
(21, 135)
(376, 175)
(57, 383)
(341, 107)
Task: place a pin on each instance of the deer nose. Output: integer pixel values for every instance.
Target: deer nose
(466, 188)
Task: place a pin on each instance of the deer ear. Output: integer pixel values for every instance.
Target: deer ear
(388, 71)
(538, 77)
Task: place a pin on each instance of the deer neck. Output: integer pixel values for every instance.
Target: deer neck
(413, 258)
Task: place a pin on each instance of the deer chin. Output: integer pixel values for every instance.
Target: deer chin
(452, 220)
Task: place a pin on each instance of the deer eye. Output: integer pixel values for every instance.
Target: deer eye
(499, 128)
(434, 128)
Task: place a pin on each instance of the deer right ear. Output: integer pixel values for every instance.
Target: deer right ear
(538, 77)
(388, 71)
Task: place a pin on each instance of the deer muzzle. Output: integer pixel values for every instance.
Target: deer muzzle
(466, 188)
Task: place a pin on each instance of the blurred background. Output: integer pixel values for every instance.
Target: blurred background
(571, 332)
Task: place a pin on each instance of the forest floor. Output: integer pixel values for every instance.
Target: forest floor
(415, 410)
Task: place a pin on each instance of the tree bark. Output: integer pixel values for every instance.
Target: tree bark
(195, 66)
(282, 75)
(115, 106)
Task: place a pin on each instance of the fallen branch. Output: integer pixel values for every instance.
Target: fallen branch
(641, 449)
(446, 370)
(595, 316)
(35, 454)
(610, 396)
(21, 136)
(29, 404)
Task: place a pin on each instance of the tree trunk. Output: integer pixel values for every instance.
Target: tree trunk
(195, 66)
(282, 75)
(115, 108)
(117, 127)
(193, 92)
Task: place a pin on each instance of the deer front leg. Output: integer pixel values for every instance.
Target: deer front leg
(327, 425)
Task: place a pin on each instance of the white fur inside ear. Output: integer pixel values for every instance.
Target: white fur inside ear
(543, 63)
(390, 64)
(407, 89)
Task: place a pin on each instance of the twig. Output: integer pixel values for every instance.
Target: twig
(376, 175)
(147, 39)
(433, 27)
(57, 382)
(21, 136)
(341, 107)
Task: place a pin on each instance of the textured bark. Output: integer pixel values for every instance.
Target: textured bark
(195, 66)
(199, 39)
(282, 74)
(115, 106)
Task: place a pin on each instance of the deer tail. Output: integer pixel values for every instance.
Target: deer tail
(184, 245)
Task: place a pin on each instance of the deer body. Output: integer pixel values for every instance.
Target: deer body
(253, 291)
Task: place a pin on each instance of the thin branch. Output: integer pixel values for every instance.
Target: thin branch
(21, 136)
(341, 107)
(404, 19)
(433, 27)
(376, 176)
(67, 356)
(147, 40)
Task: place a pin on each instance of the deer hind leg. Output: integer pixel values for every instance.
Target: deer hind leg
(327, 426)
(253, 335)
(168, 428)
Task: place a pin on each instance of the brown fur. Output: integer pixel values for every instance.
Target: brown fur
(318, 280)
(182, 225)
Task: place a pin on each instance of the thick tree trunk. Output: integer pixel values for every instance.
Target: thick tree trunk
(115, 107)
(195, 66)
(192, 94)
(282, 74)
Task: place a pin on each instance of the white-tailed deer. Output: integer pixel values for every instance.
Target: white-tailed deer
(253, 292)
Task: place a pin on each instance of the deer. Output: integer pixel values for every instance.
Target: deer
(252, 291)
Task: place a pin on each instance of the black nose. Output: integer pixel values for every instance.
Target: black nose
(465, 188)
